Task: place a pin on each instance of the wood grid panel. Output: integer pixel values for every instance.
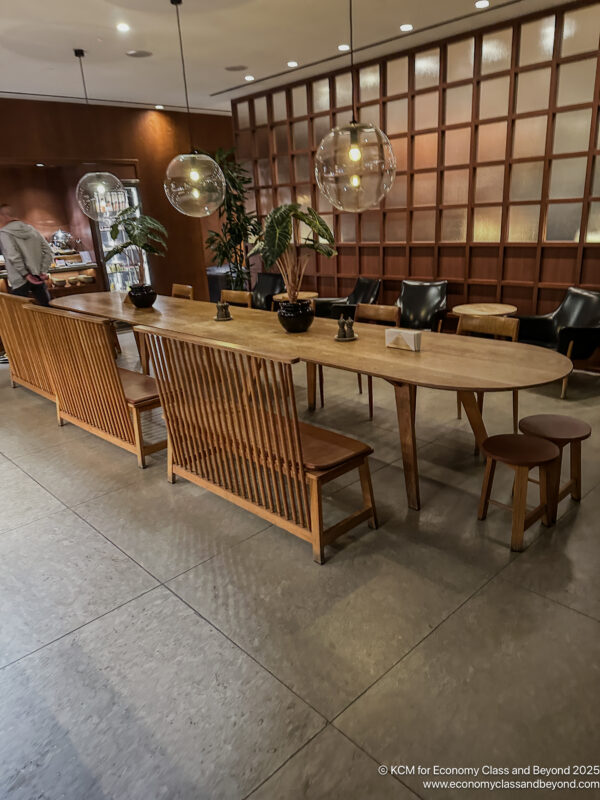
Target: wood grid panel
(503, 220)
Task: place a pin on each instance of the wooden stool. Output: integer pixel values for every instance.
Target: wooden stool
(522, 453)
(562, 431)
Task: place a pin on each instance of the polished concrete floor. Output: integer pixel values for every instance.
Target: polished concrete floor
(158, 642)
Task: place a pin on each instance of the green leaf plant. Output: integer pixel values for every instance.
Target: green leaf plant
(280, 242)
(238, 226)
(142, 232)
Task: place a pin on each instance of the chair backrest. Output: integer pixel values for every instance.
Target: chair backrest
(580, 308)
(80, 363)
(232, 422)
(182, 290)
(23, 346)
(377, 313)
(235, 297)
(421, 303)
(366, 290)
(267, 284)
(498, 327)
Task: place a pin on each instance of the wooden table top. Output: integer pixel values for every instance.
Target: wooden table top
(446, 361)
(283, 297)
(485, 309)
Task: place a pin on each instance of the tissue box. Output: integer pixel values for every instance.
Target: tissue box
(403, 339)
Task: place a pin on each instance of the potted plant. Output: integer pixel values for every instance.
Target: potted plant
(238, 226)
(279, 243)
(145, 234)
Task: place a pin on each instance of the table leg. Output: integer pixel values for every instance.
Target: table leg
(143, 352)
(406, 397)
(311, 384)
(471, 406)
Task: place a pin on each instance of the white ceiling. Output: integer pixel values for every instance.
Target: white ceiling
(37, 38)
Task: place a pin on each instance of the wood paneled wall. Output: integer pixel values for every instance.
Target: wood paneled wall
(130, 141)
(497, 146)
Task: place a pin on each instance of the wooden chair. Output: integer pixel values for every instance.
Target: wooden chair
(366, 312)
(498, 328)
(233, 429)
(236, 297)
(562, 431)
(90, 390)
(22, 345)
(182, 290)
(521, 453)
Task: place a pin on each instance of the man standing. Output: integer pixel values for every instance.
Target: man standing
(27, 255)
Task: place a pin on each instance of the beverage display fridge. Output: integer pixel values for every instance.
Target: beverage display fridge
(125, 269)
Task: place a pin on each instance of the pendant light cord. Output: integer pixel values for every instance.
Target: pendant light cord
(79, 54)
(177, 3)
(352, 73)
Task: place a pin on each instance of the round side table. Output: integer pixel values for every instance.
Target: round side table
(484, 309)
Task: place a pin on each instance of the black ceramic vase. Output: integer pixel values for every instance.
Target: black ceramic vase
(142, 295)
(296, 317)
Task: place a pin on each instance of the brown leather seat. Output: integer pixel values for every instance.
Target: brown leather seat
(558, 428)
(520, 450)
(323, 449)
(138, 388)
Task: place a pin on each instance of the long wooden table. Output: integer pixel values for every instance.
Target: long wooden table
(462, 364)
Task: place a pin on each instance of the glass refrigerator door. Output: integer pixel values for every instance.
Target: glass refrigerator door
(123, 270)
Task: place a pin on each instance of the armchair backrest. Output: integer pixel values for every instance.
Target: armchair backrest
(579, 309)
(232, 422)
(79, 359)
(366, 290)
(421, 303)
(23, 346)
(267, 284)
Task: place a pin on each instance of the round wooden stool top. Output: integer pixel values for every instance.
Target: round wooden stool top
(283, 297)
(558, 428)
(520, 451)
(484, 309)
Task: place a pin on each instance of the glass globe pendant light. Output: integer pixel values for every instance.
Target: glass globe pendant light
(355, 165)
(194, 183)
(100, 195)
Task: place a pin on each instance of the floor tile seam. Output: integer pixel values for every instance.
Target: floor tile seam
(375, 760)
(222, 633)
(218, 553)
(430, 633)
(83, 434)
(516, 583)
(79, 627)
(116, 546)
(287, 760)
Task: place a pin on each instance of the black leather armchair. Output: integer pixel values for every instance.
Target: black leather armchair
(422, 304)
(366, 290)
(267, 284)
(573, 328)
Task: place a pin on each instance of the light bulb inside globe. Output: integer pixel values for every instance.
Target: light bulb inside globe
(355, 166)
(194, 184)
(100, 189)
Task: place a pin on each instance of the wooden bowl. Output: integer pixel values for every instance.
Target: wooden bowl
(59, 282)
(73, 281)
(86, 278)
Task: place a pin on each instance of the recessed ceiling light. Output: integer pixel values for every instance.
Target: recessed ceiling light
(482, 3)
(248, 77)
(406, 27)
(123, 27)
(292, 63)
(343, 47)
(159, 107)
(40, 164)
(138, 53)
